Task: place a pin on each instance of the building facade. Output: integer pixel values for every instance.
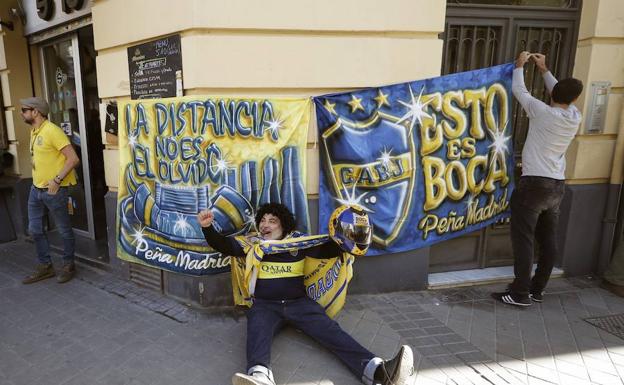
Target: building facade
(75, 54)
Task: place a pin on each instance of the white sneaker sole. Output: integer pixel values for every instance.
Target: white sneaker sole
(406, 366)
(243, 379)
(535, 299)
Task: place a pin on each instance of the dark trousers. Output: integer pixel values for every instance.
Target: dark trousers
(534, 216)
(265, 319)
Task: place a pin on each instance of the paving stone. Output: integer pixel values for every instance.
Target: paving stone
(463, 347)
(432, 322)
(473, 357)
(570, 369)
(571, 380)
(539, 348)
(539, 381)
(462, 328)
(419, 315)
(427, 369)
(418, 342)
(430, 351)
(449, 339)
(620, 370)
(538, 371)
(494, 373)
(509, 346)
(512, 363)
(602, 378)
(604, 365)
(617, 359)
(438, 330)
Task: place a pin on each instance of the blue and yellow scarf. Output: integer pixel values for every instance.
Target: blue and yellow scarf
(326, 280)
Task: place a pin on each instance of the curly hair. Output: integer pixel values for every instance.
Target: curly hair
(287, 219)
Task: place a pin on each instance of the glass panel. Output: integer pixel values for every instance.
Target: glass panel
(61, 85)
(92, 127)
(534, 3)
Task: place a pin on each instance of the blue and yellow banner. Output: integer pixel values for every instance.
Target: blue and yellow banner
(429, 160)
(179, 156)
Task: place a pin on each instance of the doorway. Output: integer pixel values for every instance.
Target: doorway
(70, 86)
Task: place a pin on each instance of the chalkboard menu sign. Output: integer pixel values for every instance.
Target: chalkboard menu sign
(153, 68)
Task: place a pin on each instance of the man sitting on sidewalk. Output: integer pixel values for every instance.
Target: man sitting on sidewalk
(535, 202)
(279, 298)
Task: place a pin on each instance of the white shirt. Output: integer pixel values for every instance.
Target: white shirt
(551, 130)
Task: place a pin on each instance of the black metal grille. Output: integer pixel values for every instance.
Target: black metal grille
(488, 34)
(468, 47)
(613, 324)
(147, 277)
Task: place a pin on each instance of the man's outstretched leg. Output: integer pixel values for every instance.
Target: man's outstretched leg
(263, 322)
(310, 317)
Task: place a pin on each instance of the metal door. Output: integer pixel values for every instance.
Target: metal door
(484, 33)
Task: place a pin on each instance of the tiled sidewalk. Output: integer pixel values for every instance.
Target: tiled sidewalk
(100, 330)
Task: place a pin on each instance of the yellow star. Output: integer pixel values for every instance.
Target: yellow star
(329, 106)
(381, 98)
(355, 103)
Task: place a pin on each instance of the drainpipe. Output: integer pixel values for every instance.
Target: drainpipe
(613, 206)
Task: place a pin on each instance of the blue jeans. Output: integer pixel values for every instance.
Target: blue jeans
(265, 318)
(38, 200)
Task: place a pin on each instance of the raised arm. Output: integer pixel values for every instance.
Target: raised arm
(530, 104)
(540, 63)
(224, 245)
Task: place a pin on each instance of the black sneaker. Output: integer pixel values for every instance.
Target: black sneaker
(397, 370)
(537, 296)
(511, 298)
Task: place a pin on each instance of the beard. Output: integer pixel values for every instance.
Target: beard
(29, 121)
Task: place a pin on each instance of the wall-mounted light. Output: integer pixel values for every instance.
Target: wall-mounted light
(18, 13)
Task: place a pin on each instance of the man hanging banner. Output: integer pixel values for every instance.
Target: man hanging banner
(429, 160)
(179, 156)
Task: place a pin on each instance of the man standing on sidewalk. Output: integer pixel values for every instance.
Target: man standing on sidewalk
(535, 202)
(53, 163)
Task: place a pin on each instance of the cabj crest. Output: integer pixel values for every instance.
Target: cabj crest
(373, 165)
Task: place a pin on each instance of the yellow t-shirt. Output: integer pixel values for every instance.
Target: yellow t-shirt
(46, 143)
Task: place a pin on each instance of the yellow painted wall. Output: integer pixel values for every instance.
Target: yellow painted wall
(600, 57)
(16, 84)
(272, 48)
(281, 48)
